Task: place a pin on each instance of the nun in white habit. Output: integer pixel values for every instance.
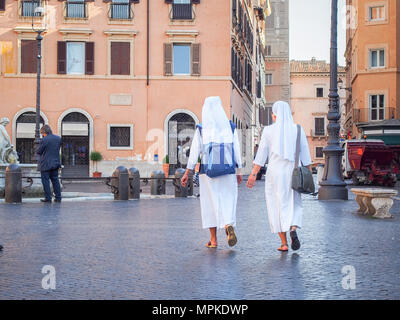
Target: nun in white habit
(278, 145)
(218, 195)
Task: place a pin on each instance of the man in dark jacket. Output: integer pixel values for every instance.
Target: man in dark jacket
(49, 163)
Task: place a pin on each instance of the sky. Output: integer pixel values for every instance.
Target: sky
(309, 29)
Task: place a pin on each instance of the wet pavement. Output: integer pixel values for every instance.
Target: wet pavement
(154, 249)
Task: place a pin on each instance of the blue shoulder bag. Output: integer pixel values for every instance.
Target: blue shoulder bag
(218, 159)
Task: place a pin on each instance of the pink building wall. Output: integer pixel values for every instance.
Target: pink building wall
(90, 94)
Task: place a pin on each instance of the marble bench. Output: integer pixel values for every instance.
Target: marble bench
(374, 201)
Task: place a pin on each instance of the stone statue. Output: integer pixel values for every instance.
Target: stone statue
(7, 153)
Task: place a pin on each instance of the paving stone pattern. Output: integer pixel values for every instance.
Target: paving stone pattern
(155, 249)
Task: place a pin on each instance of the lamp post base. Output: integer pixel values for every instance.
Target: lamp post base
(333, 193)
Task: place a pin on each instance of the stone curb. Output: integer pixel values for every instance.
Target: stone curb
(78, 196)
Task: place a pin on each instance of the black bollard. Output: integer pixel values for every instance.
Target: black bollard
(181, 191)
(120, 183)
(13, 187)
(157, 183)
(134, 183)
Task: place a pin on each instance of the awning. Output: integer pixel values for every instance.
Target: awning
(26, 130)
(75, 129)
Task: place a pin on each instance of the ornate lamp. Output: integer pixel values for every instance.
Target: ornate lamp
(332, 185)
(38, 11)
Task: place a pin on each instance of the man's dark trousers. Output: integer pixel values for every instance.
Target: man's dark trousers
(49, 163)
(53, 176)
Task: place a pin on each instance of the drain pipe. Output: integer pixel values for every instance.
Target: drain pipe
(148, 44)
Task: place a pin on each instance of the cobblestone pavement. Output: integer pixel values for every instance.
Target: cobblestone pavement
(154, 249)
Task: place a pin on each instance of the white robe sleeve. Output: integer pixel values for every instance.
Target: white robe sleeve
(262, 152)
(195, 150)
(236, 149)
(305, 156)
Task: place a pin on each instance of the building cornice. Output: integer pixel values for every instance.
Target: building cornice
(190, 33)
(111, 32)
(84, 31)
(26, 30)
(314, 74)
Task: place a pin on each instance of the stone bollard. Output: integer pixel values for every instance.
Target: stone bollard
(320, 173)
(157, 183)
(180, 191)
(13, 181)
(120, 182)
(134, 183)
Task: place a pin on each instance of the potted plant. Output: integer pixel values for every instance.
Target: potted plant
(96, 156)
(166, 166)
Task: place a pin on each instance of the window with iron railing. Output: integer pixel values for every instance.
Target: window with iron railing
(377, 107)
(319, 152)
(121, 10)
(75, 9)
(27, 9)
(120, 136)
(319, 126)
(182, 10)
(374, 114)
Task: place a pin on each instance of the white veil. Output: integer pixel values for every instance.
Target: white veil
(284, 143)
(215, 123)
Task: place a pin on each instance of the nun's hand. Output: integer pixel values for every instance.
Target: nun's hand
(251, 181)
(239, 178)
(185, 179)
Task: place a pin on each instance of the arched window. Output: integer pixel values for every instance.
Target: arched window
(181, 129)
(75, 145)
(75, 117)
(25, 136)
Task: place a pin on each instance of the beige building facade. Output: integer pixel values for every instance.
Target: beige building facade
(373, 76)
(277, 74)
(310, 83)
(129, 80)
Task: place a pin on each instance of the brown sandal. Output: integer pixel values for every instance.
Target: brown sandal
(209, 245)
(230, 232)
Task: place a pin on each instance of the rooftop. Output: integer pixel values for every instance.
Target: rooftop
(312, 66)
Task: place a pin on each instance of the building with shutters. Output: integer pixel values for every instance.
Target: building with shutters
(277, 74)
(309, 87)
(373, 60)
(129, 80)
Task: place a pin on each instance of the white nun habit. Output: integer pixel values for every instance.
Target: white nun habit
(218, 196)
(278, 144)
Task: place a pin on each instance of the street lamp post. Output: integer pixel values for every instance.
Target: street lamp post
(38, 10)
(332, 185)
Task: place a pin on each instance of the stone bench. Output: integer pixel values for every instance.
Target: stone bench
(375, 201)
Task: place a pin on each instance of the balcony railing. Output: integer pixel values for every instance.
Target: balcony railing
(374, 114)
(120, 11)
(75, 9)
(28, 9)
(182, 11)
